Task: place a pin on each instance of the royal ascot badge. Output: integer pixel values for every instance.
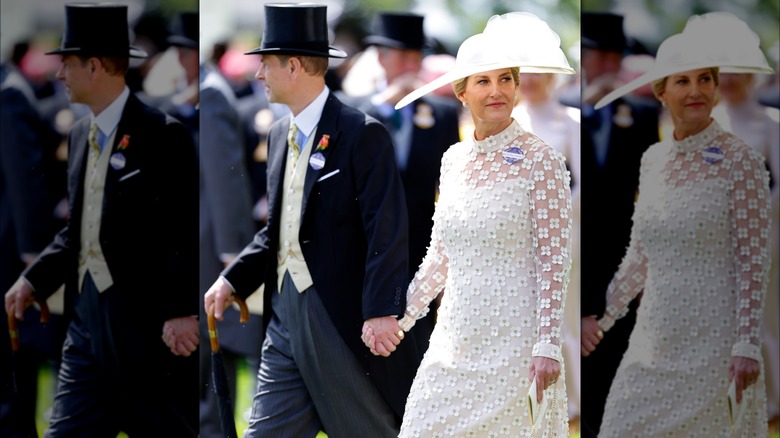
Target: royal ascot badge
(118, 161)
(423, 116)
(623, 117)
(317, 161)
(513, 155)
(124, 143)
(712, 154)
(323, 144)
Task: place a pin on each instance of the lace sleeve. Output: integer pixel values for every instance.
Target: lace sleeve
(427, 283)
(551, 208)
(750, 237)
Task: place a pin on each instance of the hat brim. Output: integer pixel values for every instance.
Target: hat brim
(462, 72)
(661, 72)
(331, 53)
(133, 52)
(378, 40)
(180, 41)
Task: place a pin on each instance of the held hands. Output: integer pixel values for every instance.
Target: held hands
(590, 335)
(381, 335)
(745, 371)
(18, 298)
(181, 335)
(546, 371)
(219, 296)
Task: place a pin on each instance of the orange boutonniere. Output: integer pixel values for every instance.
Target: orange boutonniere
(124, 143)
(323, 144)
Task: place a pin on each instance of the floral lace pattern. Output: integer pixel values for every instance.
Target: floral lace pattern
(500, 249)
(699, 250)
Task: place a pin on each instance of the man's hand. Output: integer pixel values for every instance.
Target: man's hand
(181, 335)
(546, 371)
(745, 371)
(591, 335)
(18, 298)
(382, 335)
(219, 296)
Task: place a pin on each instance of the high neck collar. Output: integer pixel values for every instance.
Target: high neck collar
(698, 141)
(500, 140)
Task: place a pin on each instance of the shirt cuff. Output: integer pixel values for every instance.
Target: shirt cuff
(228, 283)
(746, 349)
(547, 350)
(29, 284)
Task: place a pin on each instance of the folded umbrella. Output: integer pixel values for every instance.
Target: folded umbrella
(13, 330)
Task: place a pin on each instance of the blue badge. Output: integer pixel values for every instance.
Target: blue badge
(513, 155)
(118, 161)
(317, 161)
(712, 154)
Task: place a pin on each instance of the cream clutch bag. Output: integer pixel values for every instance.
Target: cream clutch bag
(736, 410)
(536, 410)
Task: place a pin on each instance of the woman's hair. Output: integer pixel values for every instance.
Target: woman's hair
(660, 84)
(459, 86)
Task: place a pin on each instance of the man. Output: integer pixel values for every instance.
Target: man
(333, 256)
(613, 141)
(225, 210)
(127, 253)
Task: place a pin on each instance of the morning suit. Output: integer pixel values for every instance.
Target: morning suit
(609, 188)
(117, 373)
(225, 227)
(353, 236)
(26, 226)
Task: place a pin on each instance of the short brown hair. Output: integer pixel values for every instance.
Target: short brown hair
(660, 84)
(459, 85)
(115, 66)
(313, 65)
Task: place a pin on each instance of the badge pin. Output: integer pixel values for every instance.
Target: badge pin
(712, 154)
(513, 155)
(118, 161)
(423, 117)
(317, 161)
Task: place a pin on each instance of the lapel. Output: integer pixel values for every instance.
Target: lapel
(127, 123)
(79, 144)
(277, 159)
(328, 125)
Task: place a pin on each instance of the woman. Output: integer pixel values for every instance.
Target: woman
(500, 247)
(699, 250)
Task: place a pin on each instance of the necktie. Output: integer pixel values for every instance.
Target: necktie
(93, 144)
(292, 135)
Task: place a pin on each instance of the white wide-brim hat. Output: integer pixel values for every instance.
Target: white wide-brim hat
(514, 39)
(715, 39)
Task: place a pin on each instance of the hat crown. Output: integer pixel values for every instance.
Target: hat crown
(187, 30)
(402, 30)
(604, 31)
(97, 30)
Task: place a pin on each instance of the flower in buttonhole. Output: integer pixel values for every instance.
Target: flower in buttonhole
(323, 143)
(124, 143)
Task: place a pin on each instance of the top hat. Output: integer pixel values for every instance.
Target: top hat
(296, 29)
(96, 30)
(187, 31)
(398, 30)
(514, 39)
(603, 31)
(716, 39)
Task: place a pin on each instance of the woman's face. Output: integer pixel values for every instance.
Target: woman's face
(490, 95)
(690, 96)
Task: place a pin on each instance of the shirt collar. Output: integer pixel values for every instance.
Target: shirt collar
(109, 117)
(308, 119)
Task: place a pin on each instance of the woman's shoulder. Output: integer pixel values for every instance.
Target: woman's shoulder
(539, 149)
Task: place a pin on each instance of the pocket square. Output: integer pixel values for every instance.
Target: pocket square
(131, 174)
(328, 175)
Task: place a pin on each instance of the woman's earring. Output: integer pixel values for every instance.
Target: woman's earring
(463, 102)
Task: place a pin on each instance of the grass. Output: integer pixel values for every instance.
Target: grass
(46, 382)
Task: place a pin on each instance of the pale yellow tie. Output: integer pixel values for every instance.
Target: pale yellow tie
(93, 144)
(295, 150)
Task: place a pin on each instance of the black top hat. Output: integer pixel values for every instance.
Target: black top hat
(398, 30)
(604, 31)
(296, 29)
(187, 30)
(97, 30)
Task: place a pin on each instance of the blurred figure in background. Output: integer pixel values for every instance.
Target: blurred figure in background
(613, 141)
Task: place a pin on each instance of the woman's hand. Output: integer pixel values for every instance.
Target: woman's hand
(546, 371)
(590, 335)
(745, 371)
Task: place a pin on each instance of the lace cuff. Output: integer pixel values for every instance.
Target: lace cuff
(605, 323)
(748, 350)
(406, 323)
(547, 350)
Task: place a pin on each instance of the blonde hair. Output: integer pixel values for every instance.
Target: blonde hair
(660, 84)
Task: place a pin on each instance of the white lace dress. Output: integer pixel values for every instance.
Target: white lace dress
(500, 250)
(699, 248)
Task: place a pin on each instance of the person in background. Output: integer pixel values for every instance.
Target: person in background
(499, 247)
(613, 141)
(333, 255)
(700, 252)
(127, 253)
